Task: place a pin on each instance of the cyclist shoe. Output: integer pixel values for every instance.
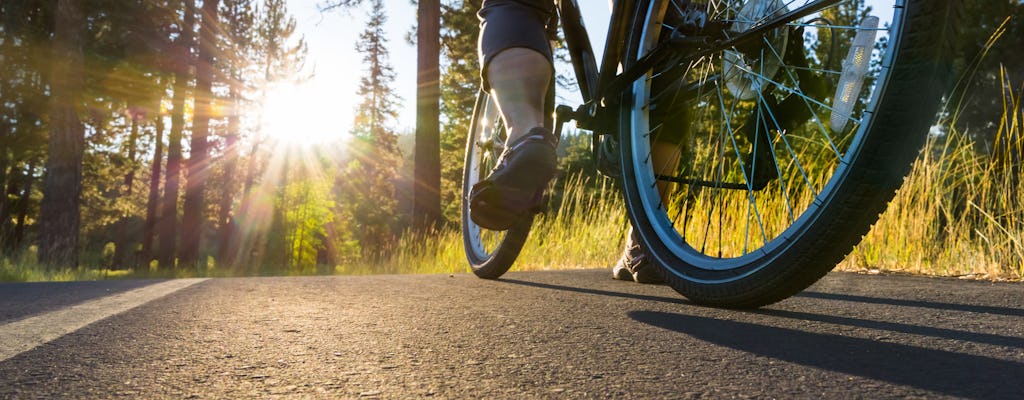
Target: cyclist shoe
(515, 188)
(634, 265)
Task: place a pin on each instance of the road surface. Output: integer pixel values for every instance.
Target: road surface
(564, 334)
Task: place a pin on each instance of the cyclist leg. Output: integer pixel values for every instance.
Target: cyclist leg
(515, 59)
(516, 67)
(672, 124)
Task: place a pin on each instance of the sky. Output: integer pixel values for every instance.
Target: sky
(324, 106)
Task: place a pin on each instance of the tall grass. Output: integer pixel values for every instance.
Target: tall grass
(585, 230)
(959, 211)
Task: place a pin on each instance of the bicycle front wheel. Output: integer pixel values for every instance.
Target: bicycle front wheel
(490, 253)
(752, 168)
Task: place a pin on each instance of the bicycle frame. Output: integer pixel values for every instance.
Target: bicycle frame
(591, 79)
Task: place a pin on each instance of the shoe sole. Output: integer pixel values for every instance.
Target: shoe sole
(508, 197)
(486, 210)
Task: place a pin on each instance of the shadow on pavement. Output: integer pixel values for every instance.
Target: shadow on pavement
(1013, 312)
(940, 371)
(941, 333)
(672, 300)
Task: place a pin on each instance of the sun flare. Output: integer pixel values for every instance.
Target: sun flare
(305, 115)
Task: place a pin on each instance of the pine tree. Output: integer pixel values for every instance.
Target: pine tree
(25, 30)
(367, 182)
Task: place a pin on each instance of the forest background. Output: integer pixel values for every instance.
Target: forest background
(134, 142)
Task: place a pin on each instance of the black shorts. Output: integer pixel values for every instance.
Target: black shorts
(505, 24)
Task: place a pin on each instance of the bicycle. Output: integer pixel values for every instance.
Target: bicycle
(799, 121)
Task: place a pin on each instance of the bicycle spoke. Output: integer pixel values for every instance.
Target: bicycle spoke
(815, 118)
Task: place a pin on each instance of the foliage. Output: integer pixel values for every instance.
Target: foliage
(306, 219)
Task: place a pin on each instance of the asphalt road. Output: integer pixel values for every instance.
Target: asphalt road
(569, 334)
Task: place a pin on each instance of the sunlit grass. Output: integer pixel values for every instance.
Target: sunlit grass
(585, 230)
(959, 213)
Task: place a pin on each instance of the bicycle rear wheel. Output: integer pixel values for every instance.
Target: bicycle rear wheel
(789, 146)
(490, 253)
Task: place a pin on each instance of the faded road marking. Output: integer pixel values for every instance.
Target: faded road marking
(23, 335)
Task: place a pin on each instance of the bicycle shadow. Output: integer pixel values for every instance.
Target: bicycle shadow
(940, 371)
(1012, 312)
(941, 333)
(626, 295)
(946, 372)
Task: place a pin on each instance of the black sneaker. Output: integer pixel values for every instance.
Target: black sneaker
(515, 188)
(634, 265)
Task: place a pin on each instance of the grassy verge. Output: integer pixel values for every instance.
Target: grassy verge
(959, 213)
(586, 230)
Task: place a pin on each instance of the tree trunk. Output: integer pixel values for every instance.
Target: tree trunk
(62, 187)
(227, 248)
(198, 161)
(6, 132)
(427, 190)
(125, 239)
(153, 202)
(169, 212)
(21, 207)
(6, 180)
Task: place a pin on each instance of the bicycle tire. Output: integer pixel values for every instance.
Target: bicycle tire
(490, 253)
(707, 253)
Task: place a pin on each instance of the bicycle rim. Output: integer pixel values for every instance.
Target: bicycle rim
(490, 253)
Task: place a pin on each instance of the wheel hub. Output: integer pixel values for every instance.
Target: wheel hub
(746, 72)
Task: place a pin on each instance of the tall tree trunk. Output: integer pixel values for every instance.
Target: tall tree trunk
(277, 245)
(125, 239)
(5, 160)
(62, 187)
(169, 212)
(427, 189)
(198, 161)
(227, 242)
(249, 241)
(6, 175)
(13, 189)
(21, 207)
(153, 202)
